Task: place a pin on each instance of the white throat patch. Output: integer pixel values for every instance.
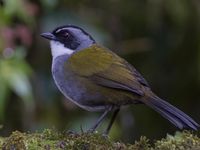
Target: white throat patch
(58, 49)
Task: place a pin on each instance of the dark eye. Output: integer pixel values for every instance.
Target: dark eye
(66, 34)
(63, 34)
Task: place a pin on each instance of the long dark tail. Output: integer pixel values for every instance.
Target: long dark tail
(171, 113)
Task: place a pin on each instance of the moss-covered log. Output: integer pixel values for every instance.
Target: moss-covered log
(52, 140)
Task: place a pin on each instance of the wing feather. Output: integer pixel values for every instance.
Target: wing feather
(105, 68)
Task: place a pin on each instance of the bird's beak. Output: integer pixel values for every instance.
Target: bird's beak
(48, 36)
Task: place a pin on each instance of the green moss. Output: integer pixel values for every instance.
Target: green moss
(51, 139)
(181, 141)
(15, 141)
(142, 144)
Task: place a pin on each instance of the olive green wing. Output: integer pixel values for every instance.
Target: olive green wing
(105, 68)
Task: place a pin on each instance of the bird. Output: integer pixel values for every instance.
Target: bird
(96, 79)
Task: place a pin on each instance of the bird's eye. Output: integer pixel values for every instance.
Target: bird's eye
(66, 34)
(63, 34)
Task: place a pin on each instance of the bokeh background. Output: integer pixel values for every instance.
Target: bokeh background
(160, 37)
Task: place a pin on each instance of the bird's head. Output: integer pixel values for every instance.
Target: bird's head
(68, 39)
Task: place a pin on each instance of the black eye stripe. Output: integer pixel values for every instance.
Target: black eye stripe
(65, 27)
(72, 36)
(62, 33)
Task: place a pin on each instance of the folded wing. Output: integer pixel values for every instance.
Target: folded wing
(107, 69)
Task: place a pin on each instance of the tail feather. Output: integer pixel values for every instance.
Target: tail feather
(173, 120)
(173, 114)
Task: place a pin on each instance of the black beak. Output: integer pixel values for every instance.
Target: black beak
(48, 36)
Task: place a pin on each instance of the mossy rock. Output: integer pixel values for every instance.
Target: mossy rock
(52, 140)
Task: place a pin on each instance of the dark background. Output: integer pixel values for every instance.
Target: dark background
(160, 37)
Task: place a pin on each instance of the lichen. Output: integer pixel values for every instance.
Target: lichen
(50, 139)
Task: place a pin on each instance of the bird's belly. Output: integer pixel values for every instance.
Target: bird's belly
(81, 94)
(90, 96)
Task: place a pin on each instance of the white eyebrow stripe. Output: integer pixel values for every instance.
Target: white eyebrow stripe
(60, 30)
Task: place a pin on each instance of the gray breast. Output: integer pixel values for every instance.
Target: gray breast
(72, 87)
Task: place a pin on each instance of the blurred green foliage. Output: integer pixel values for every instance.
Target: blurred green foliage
(14, 70)
(160, 37)
(14, 74)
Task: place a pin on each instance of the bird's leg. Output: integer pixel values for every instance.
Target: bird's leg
(116, 111)
(93, 128)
